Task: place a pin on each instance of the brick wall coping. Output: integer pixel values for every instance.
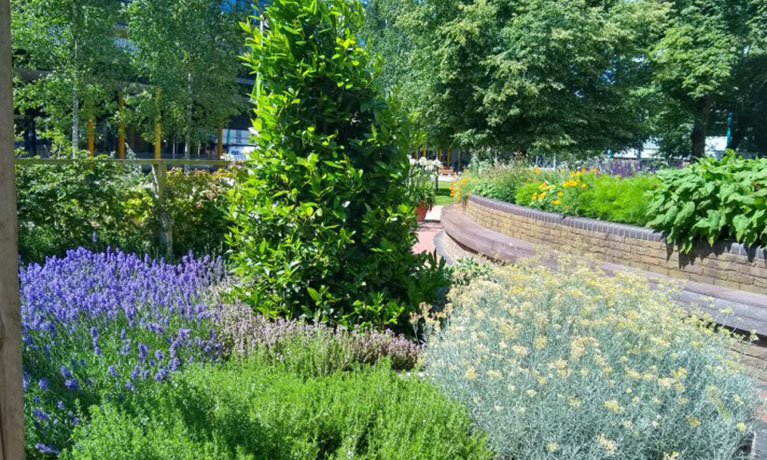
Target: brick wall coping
(613, 228)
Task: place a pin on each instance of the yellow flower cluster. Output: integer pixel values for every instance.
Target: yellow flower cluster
(576, 343)
(459, 189)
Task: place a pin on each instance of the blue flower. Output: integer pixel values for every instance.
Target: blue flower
(46, 449)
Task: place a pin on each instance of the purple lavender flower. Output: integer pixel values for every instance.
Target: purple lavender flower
(88, 303)
(40, 415)
(142, 352)
(46, 449)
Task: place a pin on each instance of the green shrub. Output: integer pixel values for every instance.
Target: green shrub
(254, 410)
(617, 199)
(577, 365)
(323, 224)
(713, 200)
(198, 205)
(97, 204)
(62, 207)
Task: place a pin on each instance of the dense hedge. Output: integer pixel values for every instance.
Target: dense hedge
(324, 224)
(99, 204)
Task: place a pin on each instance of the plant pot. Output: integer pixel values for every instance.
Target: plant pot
(420, 212)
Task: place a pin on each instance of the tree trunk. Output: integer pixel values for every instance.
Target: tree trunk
(737, 134)
(11, 389)
(188, 128)
(75, 121)
(700, 126)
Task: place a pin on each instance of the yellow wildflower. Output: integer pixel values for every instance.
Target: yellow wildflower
(520, 350)
(552, 447)
(672, 456)
(539, 343)
(694, 421)
(492, 374)
(608, 445)
(531, 393)
(471, 374)
(741, 427)
(613, 406)
(574, 402)
(557, 202)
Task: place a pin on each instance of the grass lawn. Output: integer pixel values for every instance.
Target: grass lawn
(443, 197)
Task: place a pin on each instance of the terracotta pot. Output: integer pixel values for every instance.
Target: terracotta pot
(421, 211)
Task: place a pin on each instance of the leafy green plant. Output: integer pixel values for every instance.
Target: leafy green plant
(589, 194)
(255, 409)
(322, 225)
(421, 181)
(573, 364)
(198, 205)
(62, 207)
(712, 200)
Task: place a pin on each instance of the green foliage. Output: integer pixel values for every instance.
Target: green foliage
(527, 78)
(71, 42)
(197, 203)
(195, 72)
(574, 364)
(63, 207)
(323, 226)
(254, 410)
(95, 204)
(712, 200)
(587, 194)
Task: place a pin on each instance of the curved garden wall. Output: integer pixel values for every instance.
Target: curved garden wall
(727, 264)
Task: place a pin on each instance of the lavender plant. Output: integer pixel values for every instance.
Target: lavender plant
(327, 349)
(576, 365)
(103, 326)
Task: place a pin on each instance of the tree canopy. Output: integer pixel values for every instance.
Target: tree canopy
(578, 77)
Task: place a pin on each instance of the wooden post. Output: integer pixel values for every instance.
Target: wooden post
(157, 126)
(11, 389)
(161, 209)
(121, 129)
(91, 137)
(220, 147)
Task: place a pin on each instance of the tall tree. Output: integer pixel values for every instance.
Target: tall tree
(189, 49)
(69, 54)
(532, 76)
(697, 57)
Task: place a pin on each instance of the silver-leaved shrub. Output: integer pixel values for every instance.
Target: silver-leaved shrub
(576, 365)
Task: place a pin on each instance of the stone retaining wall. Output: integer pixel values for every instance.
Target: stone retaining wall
(726, 264)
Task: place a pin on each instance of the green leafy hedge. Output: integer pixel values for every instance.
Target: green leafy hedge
(95, 204)
(712, 200)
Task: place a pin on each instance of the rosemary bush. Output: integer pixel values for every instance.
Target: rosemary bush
(576, 365)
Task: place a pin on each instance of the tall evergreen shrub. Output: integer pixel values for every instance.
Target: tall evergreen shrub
(323, 226)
